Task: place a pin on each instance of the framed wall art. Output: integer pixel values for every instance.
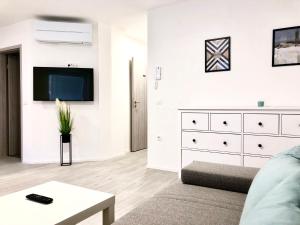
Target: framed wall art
(217, 55)
(286, 46)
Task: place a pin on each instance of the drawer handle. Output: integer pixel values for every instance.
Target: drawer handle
(260, 146)
(194, 140)
(225, 123)
(194, 122)
(260, 124)
(225, 143)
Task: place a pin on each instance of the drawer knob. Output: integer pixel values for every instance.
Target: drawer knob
(194, 140)
(225, 123)
(260, 145)
(260, 124)
(194, 122)
(225, 143)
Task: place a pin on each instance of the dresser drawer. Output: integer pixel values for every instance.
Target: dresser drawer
(258, 162)
(261, 123)
(291, 125)
(190, 156)
(194, 121)
(212, 141)
(226, 122)
(265, 145)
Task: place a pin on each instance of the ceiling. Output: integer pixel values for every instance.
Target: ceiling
(129, 15)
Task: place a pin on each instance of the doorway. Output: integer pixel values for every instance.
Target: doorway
(10, 104)
(138, 106)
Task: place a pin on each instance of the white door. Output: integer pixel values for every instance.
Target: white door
(138, 87)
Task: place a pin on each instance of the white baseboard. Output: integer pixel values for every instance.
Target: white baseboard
(151, 166)
(43, 161)
(75, 160)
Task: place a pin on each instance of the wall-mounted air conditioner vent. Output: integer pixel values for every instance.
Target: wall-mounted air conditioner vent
(63, 32)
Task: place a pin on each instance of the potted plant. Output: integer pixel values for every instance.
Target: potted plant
(65, 121)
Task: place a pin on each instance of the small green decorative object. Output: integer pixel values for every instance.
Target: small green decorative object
(260, 103)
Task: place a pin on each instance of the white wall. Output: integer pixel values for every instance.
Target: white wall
(123, 49)
(176, 35)
(20, 35)
(95, 132)
(86, 141)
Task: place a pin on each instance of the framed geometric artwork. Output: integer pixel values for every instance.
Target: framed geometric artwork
(217, 55)
(286, 46)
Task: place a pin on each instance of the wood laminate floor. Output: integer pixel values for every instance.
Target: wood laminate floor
(127, 177)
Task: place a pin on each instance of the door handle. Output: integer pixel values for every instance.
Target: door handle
(135, 103)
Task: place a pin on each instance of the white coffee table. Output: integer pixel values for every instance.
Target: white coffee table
(71, 205)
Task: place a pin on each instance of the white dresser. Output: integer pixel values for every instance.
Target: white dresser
(247, 137)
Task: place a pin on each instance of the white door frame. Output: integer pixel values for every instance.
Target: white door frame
(7, 50)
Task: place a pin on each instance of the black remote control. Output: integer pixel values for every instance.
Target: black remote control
(39, 198)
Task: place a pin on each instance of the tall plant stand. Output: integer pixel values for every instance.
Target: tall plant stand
(65, 139)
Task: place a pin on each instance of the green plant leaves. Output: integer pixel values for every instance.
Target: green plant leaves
(65, 119)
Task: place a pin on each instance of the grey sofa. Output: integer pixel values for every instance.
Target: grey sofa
(209, 194)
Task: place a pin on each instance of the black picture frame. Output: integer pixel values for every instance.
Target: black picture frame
(210, 51)
(275, 44)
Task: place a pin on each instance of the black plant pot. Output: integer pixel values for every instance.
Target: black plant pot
(66, 138)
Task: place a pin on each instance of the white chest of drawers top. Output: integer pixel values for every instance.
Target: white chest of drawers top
(247, 137)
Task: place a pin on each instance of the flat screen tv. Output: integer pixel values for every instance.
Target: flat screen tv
(66, 84)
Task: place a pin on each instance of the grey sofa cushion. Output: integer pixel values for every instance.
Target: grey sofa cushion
(219, 176)
(182, 204)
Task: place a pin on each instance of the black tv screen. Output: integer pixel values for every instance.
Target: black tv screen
(66, 84)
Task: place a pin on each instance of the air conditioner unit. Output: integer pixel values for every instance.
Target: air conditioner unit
(63, 32)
